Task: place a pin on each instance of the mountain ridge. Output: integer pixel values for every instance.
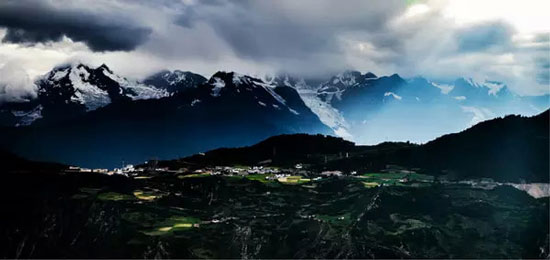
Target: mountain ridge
(511, 148)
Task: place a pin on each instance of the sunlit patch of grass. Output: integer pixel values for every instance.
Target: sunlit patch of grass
(396, 179)
(370, 184)
(183, 225)
(164, 229)
(295, 179)
(145, 195)
(193, 175)
(158, 231)
(263, 178)
(142, 177)
(172, 224)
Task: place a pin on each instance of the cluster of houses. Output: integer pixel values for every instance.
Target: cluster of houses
(275, 173)
(228, 170)
(126, 170)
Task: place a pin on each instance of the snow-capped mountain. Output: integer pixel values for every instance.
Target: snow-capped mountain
(174, 81)
(338, 84)
(358, 106)
(92, 87)
(72, 90)
(171, 114)
(229, 109)
(486, 91)
(231, 85)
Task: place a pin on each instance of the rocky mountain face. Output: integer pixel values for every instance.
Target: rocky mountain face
(174, 81)
(360, 107)
(227, 110)
(72, 90)
(175, 105)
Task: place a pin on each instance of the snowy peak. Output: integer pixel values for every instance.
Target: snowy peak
(342, 81)
(339, 83)
(175, 81)
(235, 84)
(91, 87)
(473, 89)
(234, 89)
(286, 80)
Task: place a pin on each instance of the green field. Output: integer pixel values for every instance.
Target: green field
(114, 196)
(371, 180)
(148, 195)
(295, 179)
(152, 224)
(260, 177)
(194, 175)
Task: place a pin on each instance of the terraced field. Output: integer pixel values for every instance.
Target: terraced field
(85, 215)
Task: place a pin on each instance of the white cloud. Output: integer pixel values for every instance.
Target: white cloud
(15, 84)
(311, 38)
(479, 114)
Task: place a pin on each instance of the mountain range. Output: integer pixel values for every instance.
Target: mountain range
(111, 121)
(93, 117)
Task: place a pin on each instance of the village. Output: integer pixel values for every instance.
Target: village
(392, 175)
(299, 173)
(130, 170)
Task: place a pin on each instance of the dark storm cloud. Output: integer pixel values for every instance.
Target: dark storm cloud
(38, 21)
(484, 36)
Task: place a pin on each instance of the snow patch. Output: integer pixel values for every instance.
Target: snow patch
(86, 94)
(58, 75)
(239, 78)
(460, 98)
(261, 103)
(218, 85)
(445, 89)
(269, 88)
(328, 115)
(494, 87)
(293, 111)
(195, 101)
(137, 91)
(174, 77)
(393, 95)
(342, 132)
(27, 117)
(473, 82)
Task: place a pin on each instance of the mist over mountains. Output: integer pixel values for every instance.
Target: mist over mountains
(81, 112)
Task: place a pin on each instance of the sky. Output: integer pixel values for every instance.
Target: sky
(500, 40)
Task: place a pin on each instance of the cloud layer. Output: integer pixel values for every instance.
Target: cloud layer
(32, 22)
(497, 40)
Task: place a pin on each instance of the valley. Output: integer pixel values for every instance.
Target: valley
(293, 196)
(204, 216)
